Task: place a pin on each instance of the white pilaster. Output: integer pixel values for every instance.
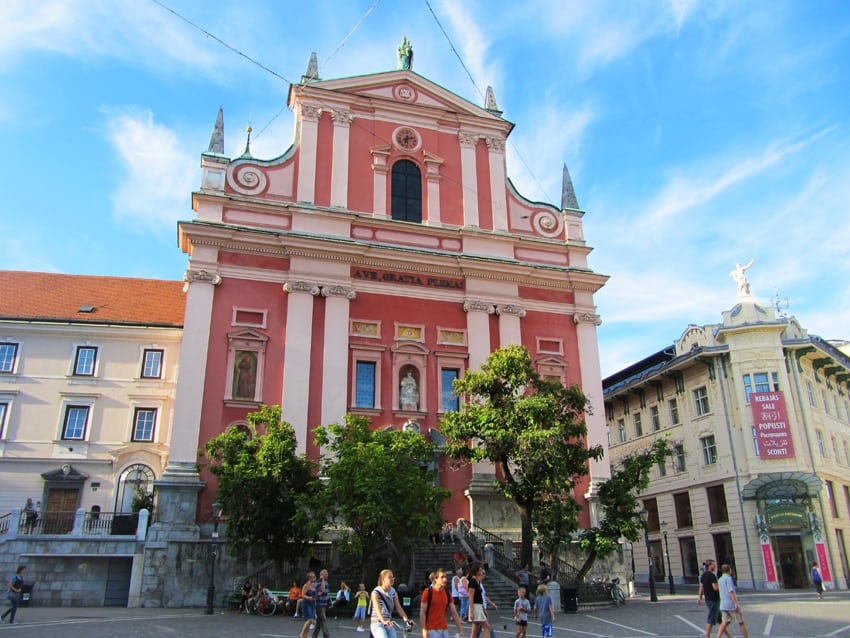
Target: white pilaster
(498, 179)
(307, 152)
(380, 168)
(478, 333)
(339, 170)
(335, 354)
(296, 360)
(510, 330)
(469, 177)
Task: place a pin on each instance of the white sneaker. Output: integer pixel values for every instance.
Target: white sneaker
(360, 629)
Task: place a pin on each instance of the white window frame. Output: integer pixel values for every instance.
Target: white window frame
(154, 426)
(655, 417)
(66, 413)
(708, 444)
(449, 361)
(637, 421)
(673, 409)
(701, 403)
(75, 363)
(5, 408)
(144, 366)
(821, 444)
(366, 353)
(13, 367)
(621, 430)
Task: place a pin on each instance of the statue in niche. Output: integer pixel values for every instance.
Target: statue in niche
(739, 274)
(409, 393)
(245, 375)
(405, 55)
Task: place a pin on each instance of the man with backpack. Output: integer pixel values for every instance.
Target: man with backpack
(436, 600)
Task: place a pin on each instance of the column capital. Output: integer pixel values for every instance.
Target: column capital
(467, 138)
(311, 112)
(339, 291)
(510, 309)
(495, 143)
(587, 317)
(200, 276)
(476, 305)
(302, 286)
(342, 117)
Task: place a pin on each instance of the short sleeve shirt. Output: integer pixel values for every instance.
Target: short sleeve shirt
(438, 603)
(727, 586)
(708, 580)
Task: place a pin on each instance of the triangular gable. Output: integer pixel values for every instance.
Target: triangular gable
(406, 87)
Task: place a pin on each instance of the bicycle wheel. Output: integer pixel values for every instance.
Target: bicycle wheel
(619, 596)
(267, 607)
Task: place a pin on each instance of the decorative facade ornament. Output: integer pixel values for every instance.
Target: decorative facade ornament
(474, 305)
(495, 143)
(199, 276)
(510, 309)
(546, 223)
(587, 317)
(341, 117)
(339, 291)
(310, 112)
(302, 286)
(467, 138)
(247, 179)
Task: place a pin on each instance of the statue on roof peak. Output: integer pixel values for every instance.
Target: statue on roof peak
(405, 54)
(739, 274)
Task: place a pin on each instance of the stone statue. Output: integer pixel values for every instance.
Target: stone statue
(409, 394)
(405, 55)
(739, 274)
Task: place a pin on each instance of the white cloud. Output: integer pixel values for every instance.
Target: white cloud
(159, 173)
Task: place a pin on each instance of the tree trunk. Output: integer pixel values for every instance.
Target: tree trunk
(525, 511)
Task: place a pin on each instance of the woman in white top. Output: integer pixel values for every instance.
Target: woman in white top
(384, 601)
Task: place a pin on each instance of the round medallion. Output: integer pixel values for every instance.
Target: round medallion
(406, 139)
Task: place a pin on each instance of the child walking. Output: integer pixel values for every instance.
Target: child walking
(521, 608)
(544, 611)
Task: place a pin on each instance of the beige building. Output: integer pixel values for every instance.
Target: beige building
(88, 367)
(757, 413)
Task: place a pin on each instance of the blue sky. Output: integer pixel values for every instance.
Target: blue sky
(698, 134)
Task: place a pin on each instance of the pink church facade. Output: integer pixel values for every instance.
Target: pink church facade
(384, 254)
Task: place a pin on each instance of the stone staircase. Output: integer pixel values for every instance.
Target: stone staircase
(501, 588)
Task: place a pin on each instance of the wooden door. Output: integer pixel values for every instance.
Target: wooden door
(59, 510)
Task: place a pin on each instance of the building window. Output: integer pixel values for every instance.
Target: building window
(8, 355)
(449, 401)
(836, 450)
(709, 449)
(846, 452)
(662, 467)
(143, 424)
(85, 361)
(684, 517)
(679, 457)
(364, 384)
(152, 364)
(655, 417)
(673, 405)
(638, 424)
(621, 428)
(760, 382)
(406, 192)
(134, 484)
(830, 497)
(810, 391)
(75, 422)
(701, 406)
(653, 522)
(4, 411)
(756, 442)
(821, 446)
(825, 402)
(717, 510)
(847, 498)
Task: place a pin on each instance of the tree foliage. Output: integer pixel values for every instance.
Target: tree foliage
(620, 507)
(381, 484)
(267, 489)
(532, 429)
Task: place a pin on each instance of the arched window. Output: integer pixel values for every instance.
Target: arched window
(407, 192)
(135, 482)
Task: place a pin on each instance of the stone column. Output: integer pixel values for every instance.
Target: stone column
(296, 360)
(307, 152)
(498, 179)
(335, 355)
(469, 177)
(509, 326)
(591, 384)
(180, 483)
(339, 171)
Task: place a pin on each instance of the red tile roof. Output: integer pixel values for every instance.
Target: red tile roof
(122, 300)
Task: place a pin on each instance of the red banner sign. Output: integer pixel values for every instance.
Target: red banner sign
(770, 418)
(823, 564)
(770, 570)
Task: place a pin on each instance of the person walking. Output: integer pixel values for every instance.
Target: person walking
(817, 581)
(385, 600)
(544, 611)
(729, 605)
(522, 607)
(436, 601)
(463, 594)
(323, 601)
(478, 603)
(523, 577)
(709, 590)
(13, 594)
(308, 605)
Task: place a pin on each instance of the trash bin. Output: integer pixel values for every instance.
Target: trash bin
(569, 599)
(26, 592)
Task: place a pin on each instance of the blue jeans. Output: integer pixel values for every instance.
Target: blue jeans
(713, 607)
(382, 631)
(464, 608)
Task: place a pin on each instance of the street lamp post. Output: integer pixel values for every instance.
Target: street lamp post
(653, 596)
(216, 511)
(669, 571)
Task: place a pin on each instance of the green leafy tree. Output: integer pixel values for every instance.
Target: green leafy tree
(266, 488)
(620, 506)
(381, 485)
(532, 429)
